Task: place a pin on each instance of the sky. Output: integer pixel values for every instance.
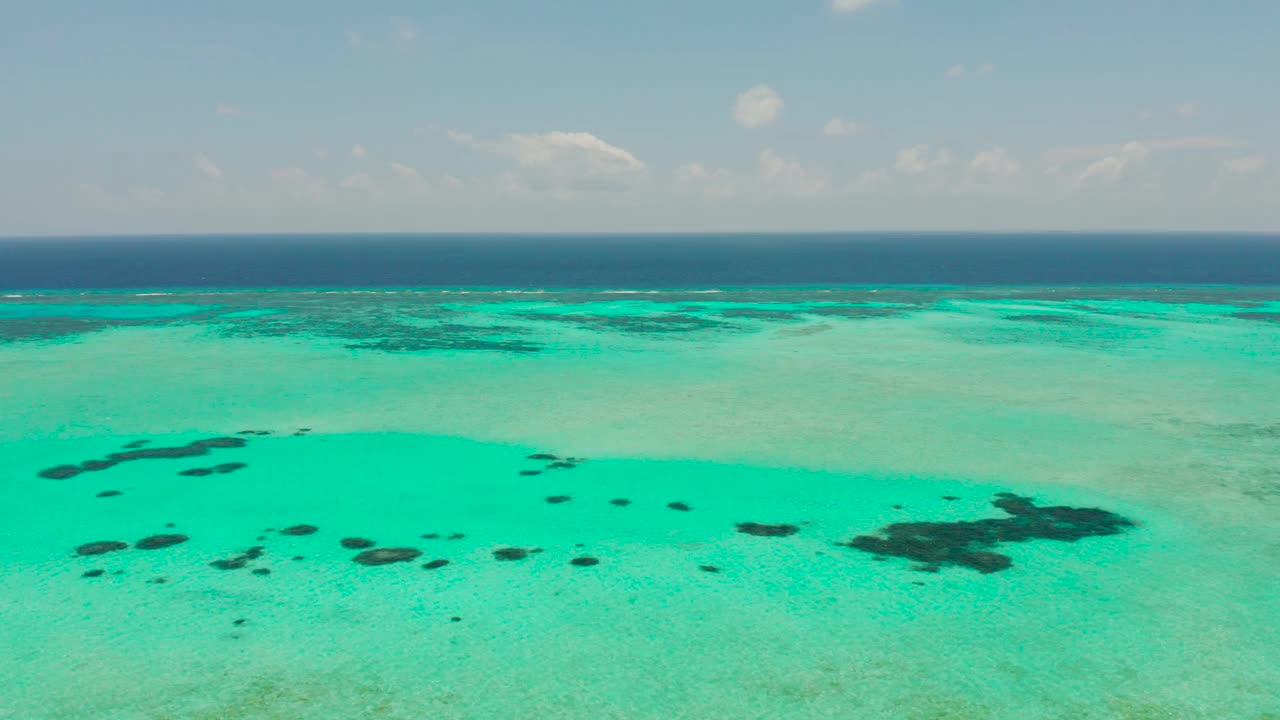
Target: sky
(612, 116)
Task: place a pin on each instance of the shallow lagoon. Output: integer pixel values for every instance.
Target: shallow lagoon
(841, 411)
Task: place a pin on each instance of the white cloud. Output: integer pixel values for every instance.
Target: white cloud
(564, 161)
(408, 174)
(994, 164)
(1113, 168)
(988, 68)
(452, 181)
(836, 127)
(848, 6)
(358, 181)
(226, 110)
(301, 185)
(958, 72)
(955, 72)
(359, 152)
(1245, 165)
(789, 176)
(403, 34)
(320, 154)
(461, 138)
(354, 39)
(1081, 153)
(696, 177)
(917, 160)
(757, 107)
(207, 167)
(1188, 109)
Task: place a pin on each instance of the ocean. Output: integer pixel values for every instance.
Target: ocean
(899, 477)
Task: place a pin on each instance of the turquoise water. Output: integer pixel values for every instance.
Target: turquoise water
(837, 411)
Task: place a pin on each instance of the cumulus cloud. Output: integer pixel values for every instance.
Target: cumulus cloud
(1188, 109)
(301, 185)
(354, 39)
(1088, 153)
(408, 175)
(789, 176)
(359, 152)
(1245, 165)
(572, 161)
(848, 6)
(1112, 168)
(358, 181)
(994, 164)
(757, 107)
(837, 127)
(696, 177)
(226, 110)
(207, 167)
(955, 72)
(403, 34)
(918, 159)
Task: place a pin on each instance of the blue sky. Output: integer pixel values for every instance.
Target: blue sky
(774, 115)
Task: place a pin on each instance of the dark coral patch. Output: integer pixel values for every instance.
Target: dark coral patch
(234, 563)
(300, 530)
(356, 543)
(262, 571)
(709, 568)
(102, 546)
(562, 465)
(557, 499)
(530, 473)
(543, 456)
(584, 561)
(61, 472)
(156, 542)
(679, 506)
(108, 493)
(95, 465)
(431, 536)
(254, 432)
(92, 573)
(620, 502)
(387, 556)
(763, 530)
(969, 543)
(434, 564)
(225, 468)
(135, 444)
(196, 472)
(511, 553)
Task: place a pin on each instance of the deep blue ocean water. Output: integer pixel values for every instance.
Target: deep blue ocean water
(637, 261)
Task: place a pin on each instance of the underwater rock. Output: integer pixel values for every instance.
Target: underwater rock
(61, 472)
(511, 553)
(231, 564)
(969, 543)
(158, 580)
(763, 530)
(108, 493)
(102, 546)
(950, 498)
(262, 571)
(135, 444)
(225, 468)
(156, 542)
(557, 499)
(455, 618)
(300, 530)
(254, 432)
(709, 568)
(196, 472)
(584, 561)
(679, 506)
(239, 621)
(92, 573)
(95, 465)
(434, 564)
(530, 473)
(356, 543)
(543, 456)
(296, 558)
(431, 536)
(386, 556)
(562, 465)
